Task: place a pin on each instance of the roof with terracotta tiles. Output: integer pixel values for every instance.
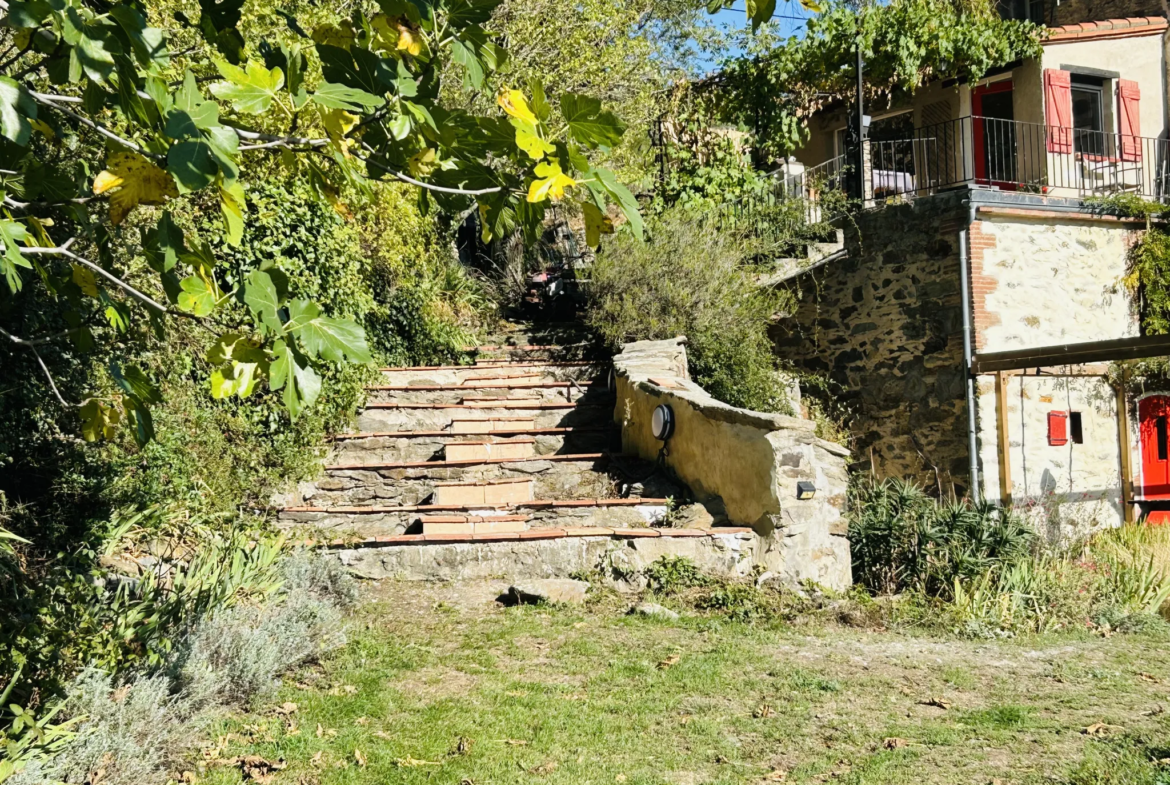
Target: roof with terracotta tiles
(1106, 28)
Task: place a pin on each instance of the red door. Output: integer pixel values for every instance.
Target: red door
(995, 135)
(1153, 414)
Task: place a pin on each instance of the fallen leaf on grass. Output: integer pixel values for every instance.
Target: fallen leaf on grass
(258, 769)
(362, 721)
(361, 759)
(318, 758)
(381, 734)
(1149, 677)
(187, 776)
(620, 778)
(1101, 729)
(344, 689)
(763, 712)
(409, 762)
(669, 662)
(779, 775)
(515, 742)
(685, 719)
(940, 703)
(286, 708)
(1154, 712)
(548, 767)
(463, 746)
(894, 742)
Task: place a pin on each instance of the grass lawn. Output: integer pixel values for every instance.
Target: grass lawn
(441, 685)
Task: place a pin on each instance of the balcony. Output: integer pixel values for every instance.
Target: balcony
(993, 153)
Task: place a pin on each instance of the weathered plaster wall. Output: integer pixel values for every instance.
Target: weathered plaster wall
(1040, 279)
(885, 326)
(1066, 491)
(749, 461)
(1049, 279)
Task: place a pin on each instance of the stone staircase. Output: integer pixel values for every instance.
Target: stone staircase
(519, 445)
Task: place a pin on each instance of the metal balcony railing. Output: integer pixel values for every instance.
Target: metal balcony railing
(1016, 156)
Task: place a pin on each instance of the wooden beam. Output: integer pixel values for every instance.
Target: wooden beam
(1002, 442)
(1073, 354)
(1127, 505)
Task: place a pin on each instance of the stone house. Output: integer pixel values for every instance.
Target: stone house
(979, 239)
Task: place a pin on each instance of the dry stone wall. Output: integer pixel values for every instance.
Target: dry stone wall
(742, 463)
(884, 325)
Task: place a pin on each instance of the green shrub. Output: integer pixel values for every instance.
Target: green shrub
(901, 538)
(671, 574)
(740, 602)
(691, 279)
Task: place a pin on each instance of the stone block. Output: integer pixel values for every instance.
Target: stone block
(563, 590)
(433, 527)
(503, 525)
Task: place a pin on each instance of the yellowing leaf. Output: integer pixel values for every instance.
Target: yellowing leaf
(85, 281)
(409, 40)
(137, 181)
(528, 140)
(515, 105)
(341, 35)
(551, 182)
(233, 207)
(597, 223)
(423, 162)
(811, 5)
(338, 123)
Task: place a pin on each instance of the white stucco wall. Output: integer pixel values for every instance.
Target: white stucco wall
(1136, 58)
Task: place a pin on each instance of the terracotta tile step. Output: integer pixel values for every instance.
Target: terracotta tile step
(523, 447)
(503, 385)
(471, 525)
(481, 364)
(499, 404)
(531, 534)
(588, 456)
(532, 504)
(484, 493)
(476, 428)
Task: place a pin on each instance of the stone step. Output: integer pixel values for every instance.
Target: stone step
(477, 374)
(430, 445)
(487, 493)
(517, 447)
(545, 553)
(544, 414)
(560, 479)
(553, 392)
(538, 514)
(480, 365)
(473, 524)
(463, 462)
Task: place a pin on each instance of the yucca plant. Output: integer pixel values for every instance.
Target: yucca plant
(902, 538)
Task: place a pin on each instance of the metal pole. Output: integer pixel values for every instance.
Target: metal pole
(965, 293)
(859, 161)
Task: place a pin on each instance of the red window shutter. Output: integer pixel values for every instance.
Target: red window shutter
(1129, 119)
(1058, 110)
(1057, 428)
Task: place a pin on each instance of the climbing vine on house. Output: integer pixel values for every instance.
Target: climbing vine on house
(113, 115)
(777, 84)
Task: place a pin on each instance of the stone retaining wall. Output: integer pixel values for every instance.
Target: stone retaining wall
(744, 463)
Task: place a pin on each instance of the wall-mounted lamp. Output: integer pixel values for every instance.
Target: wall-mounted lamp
(805, 490)
(662, 423)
